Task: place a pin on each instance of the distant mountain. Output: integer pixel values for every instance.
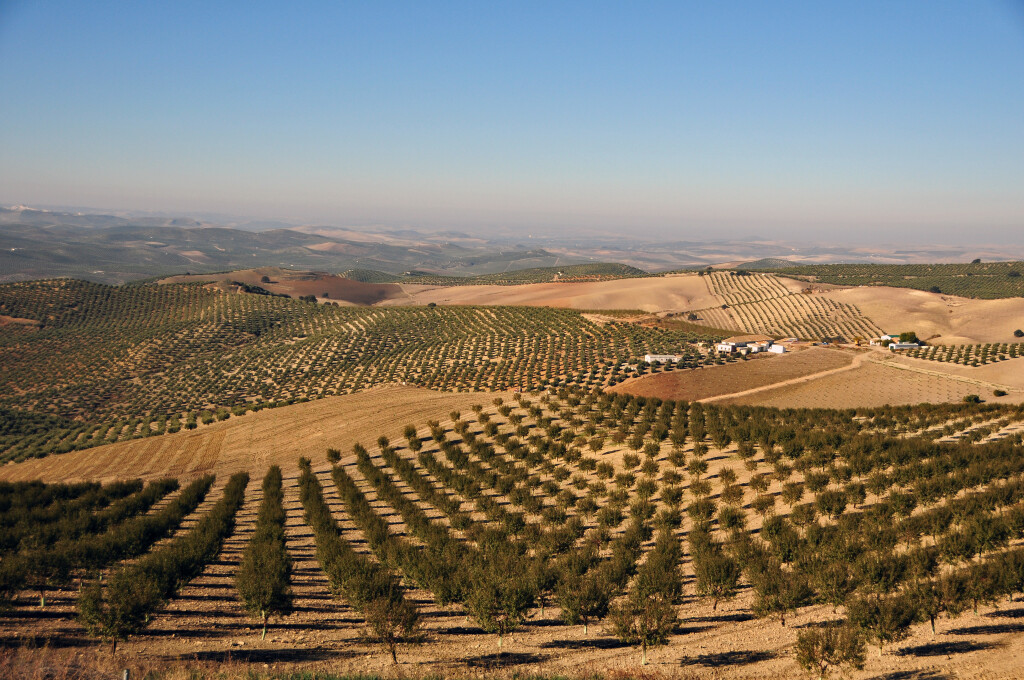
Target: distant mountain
(769, 263)
(37, 244)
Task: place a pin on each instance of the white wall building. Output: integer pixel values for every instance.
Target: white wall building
(662, 358)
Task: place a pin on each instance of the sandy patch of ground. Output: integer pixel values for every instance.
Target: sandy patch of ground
(702, 383)
(954, 320)
(255, 441)
(27, 323)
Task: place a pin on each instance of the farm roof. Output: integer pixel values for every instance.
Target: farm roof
(748, 338)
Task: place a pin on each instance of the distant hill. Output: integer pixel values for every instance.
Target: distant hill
(597, 271)
(370, 276)
(768, 263)
(38, 244)
(984, 280)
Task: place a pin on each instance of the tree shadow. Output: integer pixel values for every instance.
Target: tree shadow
(462, 630)
(735, 658)
(1007, 614)
(545, 623)
(994, 629)
(36, 614)
(587, 643)
(190, 633)
(493, 661)
(945, 648)
(687, 630)
(737, 617)
(913, 675)
(50, 641)
(290, 655)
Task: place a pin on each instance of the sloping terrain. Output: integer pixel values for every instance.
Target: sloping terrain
(943, 319)
(253, 441)
(657, 294)
(115, 363)
(328, 287)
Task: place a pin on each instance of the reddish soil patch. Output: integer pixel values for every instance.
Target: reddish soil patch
(297, 283)
(756, 372)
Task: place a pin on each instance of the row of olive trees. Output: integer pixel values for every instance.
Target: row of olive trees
(131, 596)
(263, 578)
(129, 533)
(368, 586)
(34, 526)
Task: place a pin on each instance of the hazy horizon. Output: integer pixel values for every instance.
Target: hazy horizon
(866, 123)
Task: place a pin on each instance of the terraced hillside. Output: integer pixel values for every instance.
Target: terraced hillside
(88, 364)
(548, 528)
(761, 303)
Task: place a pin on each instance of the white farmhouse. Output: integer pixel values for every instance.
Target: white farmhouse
(662, 358)
(744, 344)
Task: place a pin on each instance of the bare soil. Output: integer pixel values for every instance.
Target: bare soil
(760, 371)
(878, 383)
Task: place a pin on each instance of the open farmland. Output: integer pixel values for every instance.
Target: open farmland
(884, 379)
(94, 364)
(744, 528)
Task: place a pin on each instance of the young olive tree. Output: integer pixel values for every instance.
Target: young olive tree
(821, 649)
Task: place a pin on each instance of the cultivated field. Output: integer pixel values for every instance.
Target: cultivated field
(755, 302)
(762, 303)
(744, 528)
(93, 364)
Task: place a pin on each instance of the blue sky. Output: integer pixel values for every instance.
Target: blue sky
(670, 117)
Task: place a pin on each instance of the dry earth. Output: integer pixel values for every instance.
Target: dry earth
(657, 294)
(948, 319)
(883, 379)
(702, 383)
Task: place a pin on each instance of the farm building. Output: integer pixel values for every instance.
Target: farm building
(777, 349)
(888, 337)
(903, 345)
(662, 358)
(745, 344)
